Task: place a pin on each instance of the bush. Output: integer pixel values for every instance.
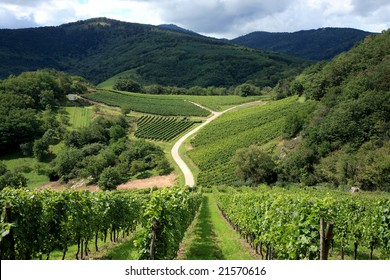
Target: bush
(109, 179)
(254, 166)
(13, 180)
(126, 84)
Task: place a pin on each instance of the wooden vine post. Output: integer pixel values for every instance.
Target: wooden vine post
(326, 236)
(8, 243)
(153, 240)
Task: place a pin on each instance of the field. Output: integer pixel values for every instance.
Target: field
(150, 104)
(79, 116)
(162, 128)
(215, 103)
(220, 103)
(215, 145)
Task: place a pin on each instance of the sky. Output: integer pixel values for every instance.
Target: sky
(216, 18)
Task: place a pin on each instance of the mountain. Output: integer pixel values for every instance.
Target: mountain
(176, 28)
(318, 44)
(100, 48)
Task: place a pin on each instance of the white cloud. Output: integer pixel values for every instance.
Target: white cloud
(220, 18)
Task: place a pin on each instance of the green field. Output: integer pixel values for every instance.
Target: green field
(161, 128)
(220, 103)
(79, 116)
(151, 104)
(215, 145)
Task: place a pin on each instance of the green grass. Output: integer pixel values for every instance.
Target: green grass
(17, 162)
(212, 238)
(79, 116)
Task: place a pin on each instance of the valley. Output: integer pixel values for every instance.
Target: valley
(245, 153)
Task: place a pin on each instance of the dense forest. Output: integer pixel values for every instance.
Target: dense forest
(347, 139)
(318, 44)
(98, 49)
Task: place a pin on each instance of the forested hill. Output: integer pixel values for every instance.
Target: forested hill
(319, 44)
(100, 48)
(347, 140)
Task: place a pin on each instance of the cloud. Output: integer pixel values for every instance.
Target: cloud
(219, 18)
(368, 7)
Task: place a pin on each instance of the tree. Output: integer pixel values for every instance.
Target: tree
(127, 84)
(41, 149)
(246, 89)
(117, 132)
(254, 166)
(109, 179)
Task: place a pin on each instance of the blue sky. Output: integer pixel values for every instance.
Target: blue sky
(218, 18)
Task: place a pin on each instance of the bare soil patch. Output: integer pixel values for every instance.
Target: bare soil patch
(157, 181)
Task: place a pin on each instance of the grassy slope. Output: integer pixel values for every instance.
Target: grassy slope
(79, 116)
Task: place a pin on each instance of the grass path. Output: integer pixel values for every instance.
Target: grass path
(211, 237)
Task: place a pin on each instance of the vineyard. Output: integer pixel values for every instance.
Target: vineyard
(162, 128)
(38, 222)
(285, 224)
(150, 104)
(215, 145)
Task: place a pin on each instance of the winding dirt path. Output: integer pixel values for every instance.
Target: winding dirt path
(188, 176)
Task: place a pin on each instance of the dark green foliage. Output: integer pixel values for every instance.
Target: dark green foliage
(22, 99)
(246, 89)
(109, 179)
(67, 162)
(126, 84)
(19, 122)
(98, 49)
(41, 149)
(3, 168)
(13, 180)
(320, 44)
(117, 132)
(254, 166)
(346, 140)
(102, 153)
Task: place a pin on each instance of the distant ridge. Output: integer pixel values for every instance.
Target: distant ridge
(315, 44)
(174, 27)
(101, 48)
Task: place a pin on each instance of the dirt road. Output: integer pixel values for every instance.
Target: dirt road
(188, 176)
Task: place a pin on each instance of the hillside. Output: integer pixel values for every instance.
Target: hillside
(347, 139)
(319, 44)
(339, 135)
(98, 49)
